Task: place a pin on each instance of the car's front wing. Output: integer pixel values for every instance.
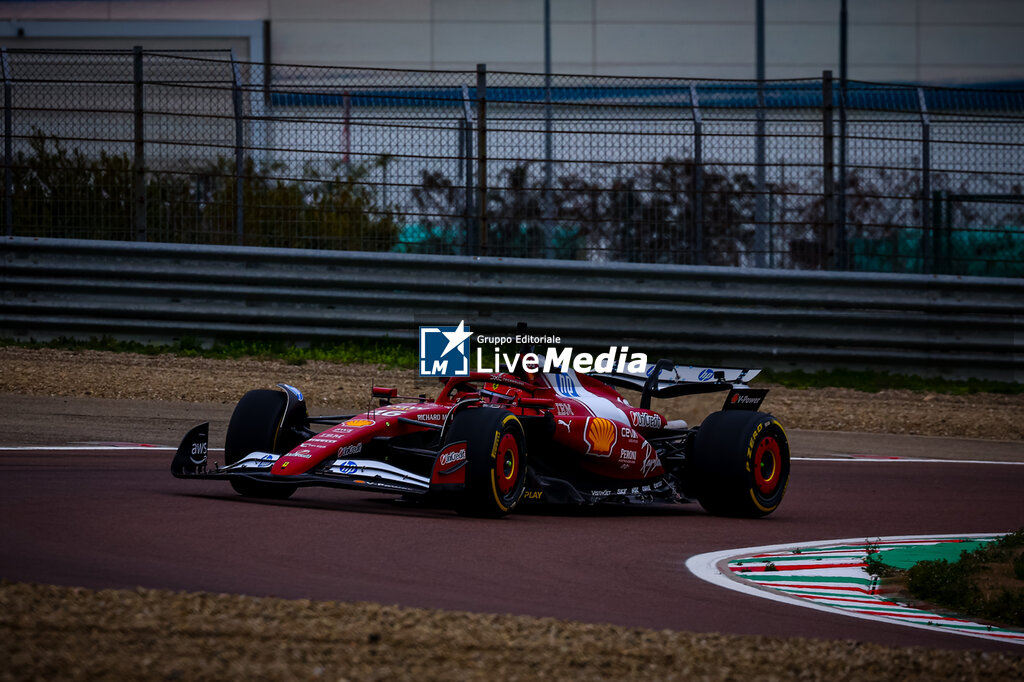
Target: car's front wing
(190, 461)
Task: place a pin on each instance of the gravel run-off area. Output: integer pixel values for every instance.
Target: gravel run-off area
(332, 388)
(49, 632)
(70, 633)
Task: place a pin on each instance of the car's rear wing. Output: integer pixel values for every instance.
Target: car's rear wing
(669, 380)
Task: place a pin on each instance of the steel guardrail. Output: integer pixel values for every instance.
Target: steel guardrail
(781, 318)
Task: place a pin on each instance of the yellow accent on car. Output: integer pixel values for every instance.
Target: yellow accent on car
(601, 435)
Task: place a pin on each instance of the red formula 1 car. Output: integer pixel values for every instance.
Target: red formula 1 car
(490, 442)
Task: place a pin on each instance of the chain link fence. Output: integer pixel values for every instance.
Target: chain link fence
(197, 147)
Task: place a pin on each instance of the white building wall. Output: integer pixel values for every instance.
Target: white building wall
(935, 41)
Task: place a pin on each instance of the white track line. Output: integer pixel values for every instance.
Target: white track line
(706, 567)
(92, 448)
(837, 458)
(895, 460)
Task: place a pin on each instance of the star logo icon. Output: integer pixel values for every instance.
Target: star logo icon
(455, 338)
(444, 351)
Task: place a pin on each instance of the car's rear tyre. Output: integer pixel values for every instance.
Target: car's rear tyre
(255, 426)
(741, 463)
(495, 460)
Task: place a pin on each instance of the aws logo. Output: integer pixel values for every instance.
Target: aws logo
(600, 436)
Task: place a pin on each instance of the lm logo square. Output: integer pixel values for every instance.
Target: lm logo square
(444, 351)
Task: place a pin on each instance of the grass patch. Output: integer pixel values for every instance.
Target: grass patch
(986, 583)
(873, 382)
(876, 566)
(390, 353)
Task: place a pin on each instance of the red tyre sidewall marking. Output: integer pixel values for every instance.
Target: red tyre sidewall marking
(507, 445)
(767, 447)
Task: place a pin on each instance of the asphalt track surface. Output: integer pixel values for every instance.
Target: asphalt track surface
(112, 518)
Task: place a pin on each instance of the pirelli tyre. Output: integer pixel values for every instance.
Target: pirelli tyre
(740, 463)
(255, 426)
(495, 460)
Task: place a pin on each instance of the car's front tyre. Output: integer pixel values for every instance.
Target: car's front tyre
(255, 426)
(496, 460)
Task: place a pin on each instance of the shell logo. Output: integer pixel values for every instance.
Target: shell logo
(600, 436)
(358, 422)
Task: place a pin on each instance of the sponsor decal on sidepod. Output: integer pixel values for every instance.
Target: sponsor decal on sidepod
(452, 458)
(600, 436)
(644, 420)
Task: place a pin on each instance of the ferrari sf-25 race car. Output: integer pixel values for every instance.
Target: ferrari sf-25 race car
(492, 441)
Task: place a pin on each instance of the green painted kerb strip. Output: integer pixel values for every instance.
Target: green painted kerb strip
(905, 557)
(790, 578)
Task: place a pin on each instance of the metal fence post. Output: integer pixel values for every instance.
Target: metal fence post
(548, 143)
(840, 244)
(928, 244)
(942, 227)
(461, 160)
(259, 100)
(139, 163)
(8, 145)
(841, 255)
(828, 166)
(466, 157)
(346, 133)
(547, 201)
(698, 177)
(760, 231)
(236, 96)
(481, 149)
